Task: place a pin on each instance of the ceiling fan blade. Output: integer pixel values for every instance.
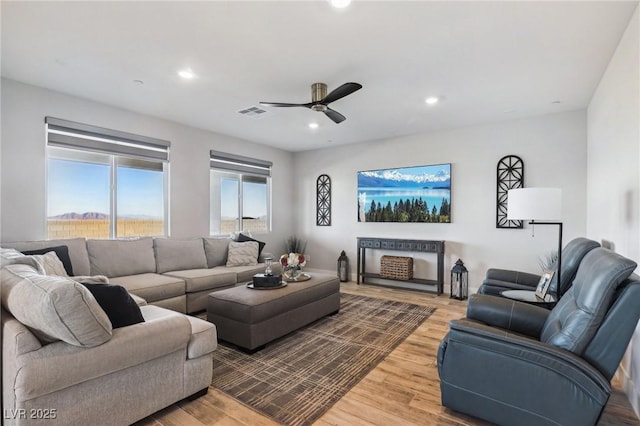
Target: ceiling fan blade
(281, 104)
(335, 115)
(341, 92)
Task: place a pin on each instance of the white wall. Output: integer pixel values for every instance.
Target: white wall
(23, 190)
(613, 180)
(553, 149)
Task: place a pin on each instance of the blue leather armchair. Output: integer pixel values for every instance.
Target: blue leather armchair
(513, 363)
(498, 280)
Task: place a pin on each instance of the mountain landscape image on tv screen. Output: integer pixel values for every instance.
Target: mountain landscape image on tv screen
(409, 194)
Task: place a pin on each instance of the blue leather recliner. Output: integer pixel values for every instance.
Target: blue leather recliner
(512, 363)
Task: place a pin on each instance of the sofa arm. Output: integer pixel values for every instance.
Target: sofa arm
(17, 339)
(204, 338)
(507, 314)
(516, 277)
(60, 365)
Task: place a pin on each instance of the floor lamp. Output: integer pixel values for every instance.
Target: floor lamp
(540, 206)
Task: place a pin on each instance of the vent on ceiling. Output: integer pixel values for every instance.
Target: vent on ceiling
(254, 112)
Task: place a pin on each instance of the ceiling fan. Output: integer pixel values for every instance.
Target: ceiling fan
(320, 100)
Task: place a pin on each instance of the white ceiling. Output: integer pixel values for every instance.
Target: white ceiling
(489, 61)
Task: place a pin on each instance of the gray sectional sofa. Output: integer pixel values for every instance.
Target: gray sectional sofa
(64, 363)
(176, 274)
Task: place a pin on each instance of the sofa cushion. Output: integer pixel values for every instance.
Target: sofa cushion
(151, 286)
(174, 255)
(118, 258)
(115, 301)
(77, 251)
(54, 308)
(205, 279)
(216, 250)
(62, 252)
(244, 238)
(164, 332)
(242, 254)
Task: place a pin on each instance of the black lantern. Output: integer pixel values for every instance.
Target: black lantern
(459, 281)
(343, 267)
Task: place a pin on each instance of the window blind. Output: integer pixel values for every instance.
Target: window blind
(239, 164)
(69, 134)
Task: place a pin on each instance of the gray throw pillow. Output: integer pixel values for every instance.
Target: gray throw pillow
(53, 307)
(216, 250)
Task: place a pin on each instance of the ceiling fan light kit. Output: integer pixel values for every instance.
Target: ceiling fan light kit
(320, 100)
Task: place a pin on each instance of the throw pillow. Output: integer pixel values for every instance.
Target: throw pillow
(61, 251)
(216, 250)
(51, 264)
(242, 254)
(116, 302)
(244, 238)
(54, 308)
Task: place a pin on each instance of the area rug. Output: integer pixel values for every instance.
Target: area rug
(297, 378)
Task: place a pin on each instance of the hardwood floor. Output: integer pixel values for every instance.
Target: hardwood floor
(402, 390)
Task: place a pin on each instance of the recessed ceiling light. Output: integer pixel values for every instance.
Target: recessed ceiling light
(432, 100)
(313, 125)
(340, 4)
(186, 73)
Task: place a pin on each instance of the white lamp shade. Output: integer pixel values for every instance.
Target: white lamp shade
(543, 204)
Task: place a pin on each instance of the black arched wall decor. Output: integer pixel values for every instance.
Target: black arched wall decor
(323, 201)
(510, 175)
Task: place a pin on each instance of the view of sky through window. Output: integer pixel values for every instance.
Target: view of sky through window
(79, 187)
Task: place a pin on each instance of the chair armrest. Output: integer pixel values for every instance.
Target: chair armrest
(516, 277)
(507, 314)
(523, 350)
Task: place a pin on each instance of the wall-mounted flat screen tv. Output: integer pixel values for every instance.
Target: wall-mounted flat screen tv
(407, 194)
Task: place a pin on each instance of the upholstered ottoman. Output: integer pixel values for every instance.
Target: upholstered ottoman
(251, 318)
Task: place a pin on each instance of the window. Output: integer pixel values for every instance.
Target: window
(103, 183)
(240, 194)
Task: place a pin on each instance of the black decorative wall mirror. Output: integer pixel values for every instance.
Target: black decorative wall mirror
(510, 175)
(323, 201)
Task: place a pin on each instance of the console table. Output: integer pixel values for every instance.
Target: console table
(421, 246)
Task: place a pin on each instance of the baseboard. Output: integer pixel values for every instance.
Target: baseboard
(630, 389)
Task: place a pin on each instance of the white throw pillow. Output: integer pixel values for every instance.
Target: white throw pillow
(243, 254)
(51, 264)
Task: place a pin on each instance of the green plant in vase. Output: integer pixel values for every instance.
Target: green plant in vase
(295, 245)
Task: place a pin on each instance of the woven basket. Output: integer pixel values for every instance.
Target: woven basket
(396, 267)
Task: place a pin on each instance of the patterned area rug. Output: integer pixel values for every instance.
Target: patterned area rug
(297, 378)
